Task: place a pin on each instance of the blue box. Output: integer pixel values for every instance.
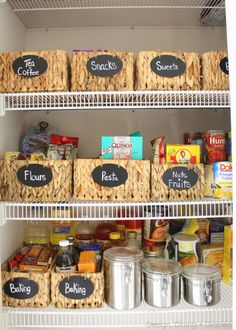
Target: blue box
(122, 147)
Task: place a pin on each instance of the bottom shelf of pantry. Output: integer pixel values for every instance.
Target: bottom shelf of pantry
(182, 315)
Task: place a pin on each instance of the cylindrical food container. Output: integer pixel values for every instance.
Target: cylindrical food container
(122, 272)
(187, 248)
(162, 282)
(201, 284)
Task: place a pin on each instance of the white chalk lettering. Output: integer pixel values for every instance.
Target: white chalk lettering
(111, 177)
(171, 67)
(20, 288)
(31, 177)
(75, 288)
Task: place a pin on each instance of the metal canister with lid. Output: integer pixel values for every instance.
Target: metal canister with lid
(201, 284)
(162, 282)
(122, 271)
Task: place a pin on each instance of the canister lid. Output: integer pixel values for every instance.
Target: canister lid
(201, 272)
(122, 254)
(161, 266)
(186, 238)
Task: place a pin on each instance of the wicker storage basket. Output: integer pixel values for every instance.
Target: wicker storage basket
(161, 192)
(213, 78)
(136, 188)
(55, 78)
(146, 79)
(83, 80)
(41, 299)
(2, 175)
(96, 299)
(59, 189)
(3, 73)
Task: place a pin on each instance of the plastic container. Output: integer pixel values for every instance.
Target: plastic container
(162, 282)
(187, 248)
(36, 234)
(64, 259)
(201, 284)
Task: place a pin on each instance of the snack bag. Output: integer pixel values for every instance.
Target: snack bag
(158, 152)
(37, 139)
(62, 147)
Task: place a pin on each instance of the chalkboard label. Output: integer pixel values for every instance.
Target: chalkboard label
(109, 175)
(104, 65)
(29, 66)
(34, 175)
(168, 66)
(76, 287)
(21, 288)
(179, 178)
(224, 65)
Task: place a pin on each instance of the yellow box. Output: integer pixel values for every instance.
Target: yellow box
(228, 255)
(213, 254)
(182, 154)
(209, 180)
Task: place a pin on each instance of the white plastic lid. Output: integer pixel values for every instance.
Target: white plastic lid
(186, 238)
(64, 243)
(161, 266)
(201, 272)
(123, 254)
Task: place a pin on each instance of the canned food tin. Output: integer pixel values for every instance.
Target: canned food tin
(215, 146)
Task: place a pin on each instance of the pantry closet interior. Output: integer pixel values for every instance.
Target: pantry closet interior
(130, 26)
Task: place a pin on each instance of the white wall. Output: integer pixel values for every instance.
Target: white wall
(127, 39)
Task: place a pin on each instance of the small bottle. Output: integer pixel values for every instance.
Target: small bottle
(64, 259)
(115, 239)
(72, 249)
(132, 240)
(120, 226)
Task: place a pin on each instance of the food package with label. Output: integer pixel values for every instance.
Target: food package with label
(228, 255)
(217, 231)
(214, 146)
(182, 154)
(37, 71)
(204, 231)
(160, 70)
(122, 147)
(209, 180)
(213, 254)
(195, 138)
(87, 262)
(158, 152)
(223, 180)
(102, 71)
(215, 70)
(62, 147)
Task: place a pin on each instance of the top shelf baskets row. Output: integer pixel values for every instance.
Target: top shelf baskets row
(51, 71)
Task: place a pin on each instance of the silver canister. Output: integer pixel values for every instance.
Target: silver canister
(201, 284)
(122, 272)
(162, 282)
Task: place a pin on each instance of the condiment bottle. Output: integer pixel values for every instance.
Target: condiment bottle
(72, 249)
(132, 240)
(115, 239)
(64, 259)
(13, 266)
(102, 233)
(84, 231)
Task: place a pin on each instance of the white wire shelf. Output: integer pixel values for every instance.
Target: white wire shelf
(46, 14)
(208, 208)
(114, 100)
(182, 315)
